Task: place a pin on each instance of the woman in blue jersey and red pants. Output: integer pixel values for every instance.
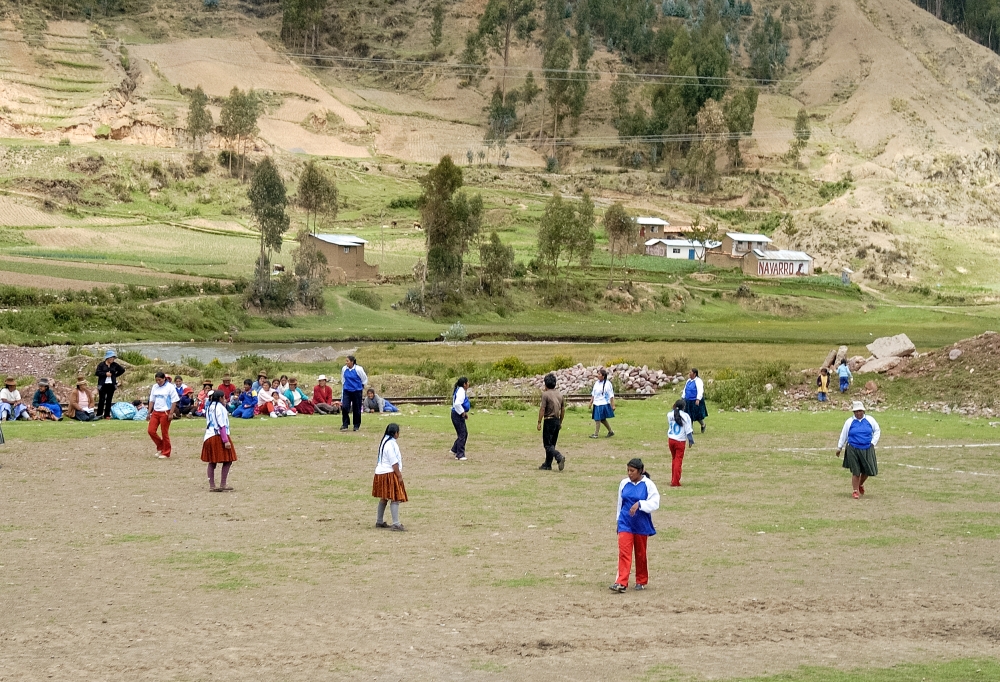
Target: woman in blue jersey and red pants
(638, 498)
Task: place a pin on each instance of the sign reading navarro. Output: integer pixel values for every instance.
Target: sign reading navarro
(771, 268)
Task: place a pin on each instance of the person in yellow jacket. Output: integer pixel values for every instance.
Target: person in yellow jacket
(823, 384)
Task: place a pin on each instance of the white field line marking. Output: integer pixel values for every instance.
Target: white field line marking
(916, 447)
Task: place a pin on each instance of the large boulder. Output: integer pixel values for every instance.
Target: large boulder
(841, 356)
(831, 356)
(856, 362)
(880, 365)
(898, 346)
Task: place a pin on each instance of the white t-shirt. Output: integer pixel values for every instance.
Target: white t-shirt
(388, 455)
(603, 392)
(216, 417)
(162, 398)
(12, 396)
(680, 431)
(265, 395)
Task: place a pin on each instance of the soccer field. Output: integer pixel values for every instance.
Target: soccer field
(119, 566)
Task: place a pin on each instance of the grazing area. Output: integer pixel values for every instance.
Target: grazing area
(117, 565)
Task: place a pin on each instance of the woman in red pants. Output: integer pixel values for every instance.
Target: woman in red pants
(638, 498)
(163, 401)
(680, 434)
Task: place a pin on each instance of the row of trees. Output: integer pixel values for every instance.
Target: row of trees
(237, 122)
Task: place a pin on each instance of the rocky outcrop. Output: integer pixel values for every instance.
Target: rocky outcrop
(880, 365)
(898, 346)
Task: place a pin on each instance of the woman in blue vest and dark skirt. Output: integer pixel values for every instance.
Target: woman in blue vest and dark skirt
(638, 498)
(460, 407)
(694, 398)
(858, 439)
(354, 379)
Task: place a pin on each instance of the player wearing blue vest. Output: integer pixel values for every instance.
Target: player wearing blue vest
(460, 407)
(602, 404)
(694, 398)
(354, 379)
(858, 439)
(638, 498)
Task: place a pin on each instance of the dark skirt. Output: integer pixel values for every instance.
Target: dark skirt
(602, 412)
(388, 487)
(696, 412)
(213, 450)
(860, 462)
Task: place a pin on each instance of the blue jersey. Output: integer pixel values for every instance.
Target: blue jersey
(860, 434)
(466, 405)
(630, 493)
(248, 399)
(690, 390)
(352, 382)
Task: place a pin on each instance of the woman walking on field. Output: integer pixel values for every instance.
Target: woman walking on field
(163, 401)
(387, 485)
(460, 407)
(694, 398)
(602, 404)
(638, 498)
(860, 435)
(217, 446)
(679, 436)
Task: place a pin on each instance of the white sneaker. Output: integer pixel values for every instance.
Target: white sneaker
(274, 414)
(462, 458)
(162, 456)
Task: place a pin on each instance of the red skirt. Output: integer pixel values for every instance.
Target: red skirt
(305, 407)
(388, 487)
(213, 450)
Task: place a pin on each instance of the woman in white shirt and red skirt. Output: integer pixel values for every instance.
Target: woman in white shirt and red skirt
(387, 485)
(217, 447)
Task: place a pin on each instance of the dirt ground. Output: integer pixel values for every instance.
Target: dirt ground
(120, 566)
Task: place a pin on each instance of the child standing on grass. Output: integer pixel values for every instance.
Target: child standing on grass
(217, 446)
(602, 404)
(680, 434)
(387, 485)
(844, 373)
(638, 498)
(823, 384)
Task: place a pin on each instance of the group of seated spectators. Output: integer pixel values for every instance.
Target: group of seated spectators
(283, 398)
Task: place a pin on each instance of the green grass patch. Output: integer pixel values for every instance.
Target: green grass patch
(120, 539)
(966, 670)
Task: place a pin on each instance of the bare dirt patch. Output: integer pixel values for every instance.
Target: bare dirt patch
(19, 279)
(118, 565)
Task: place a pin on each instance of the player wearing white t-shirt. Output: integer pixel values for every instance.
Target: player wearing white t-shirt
(387, 485)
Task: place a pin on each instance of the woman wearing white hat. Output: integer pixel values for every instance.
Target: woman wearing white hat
(323, 397)
(858, 439)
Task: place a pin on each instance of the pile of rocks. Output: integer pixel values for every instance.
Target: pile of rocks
(578, 377)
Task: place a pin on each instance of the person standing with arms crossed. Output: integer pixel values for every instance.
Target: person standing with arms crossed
(107, 374)
(551, 412)
(353, 377)
(460, 407)
(858, 439)
(163, 401)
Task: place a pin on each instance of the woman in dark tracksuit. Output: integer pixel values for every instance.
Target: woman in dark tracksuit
(460, 407)
(107, 375)
(354, 379)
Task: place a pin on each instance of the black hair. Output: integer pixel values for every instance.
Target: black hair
(352, 359)
(603, 372)
(137, 403)
(248, 381)
(462, 381)
(284, 376)
(550, 380)
(216, 396)
(161, 375)
(636, 463)
(178, 376)
(678, 406)
(391, 431)
(695, 370)
(371, 390)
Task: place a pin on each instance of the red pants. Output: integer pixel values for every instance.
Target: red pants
(677, 453)
(161, 420)
(626, 542)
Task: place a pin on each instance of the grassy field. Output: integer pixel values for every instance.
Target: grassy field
(504, 571)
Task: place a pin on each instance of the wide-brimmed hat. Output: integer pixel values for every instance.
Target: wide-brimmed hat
(80, 379)
(110, 354)
(43, 382)
(857, 406)
(10, 381)
(227, 377)
(322, 377)
(261, 373)
(206, 382)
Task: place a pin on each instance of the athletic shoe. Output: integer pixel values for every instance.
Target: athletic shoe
(594, 435)
(381, 524)
(274, 414)
(855, 495)
(344, 428)
(397, 527)
(861, 489)
(610, 434)
(544, 468)
(618, 588)
(562, 462)
(462, 458)
(162, 456)
(640, 587)
(356, 428)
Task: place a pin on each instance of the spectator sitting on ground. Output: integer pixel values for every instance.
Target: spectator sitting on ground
(228, 389)
(261, 377)
(376, 403)
(202, 400)
(246, 408)
(323, 397)
(46, 403)
(141, 411)
(298, 399)
(186, 394)
(81, 402)
(11, 405)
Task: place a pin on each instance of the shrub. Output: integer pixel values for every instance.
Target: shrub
(64, 142)
(456, 332)
(675, 365)
(405, 202)
(365, 297)
(514, 404)
(745, 388)
(511, 367)
(551, 164)
(134, 357)
(193, 362)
